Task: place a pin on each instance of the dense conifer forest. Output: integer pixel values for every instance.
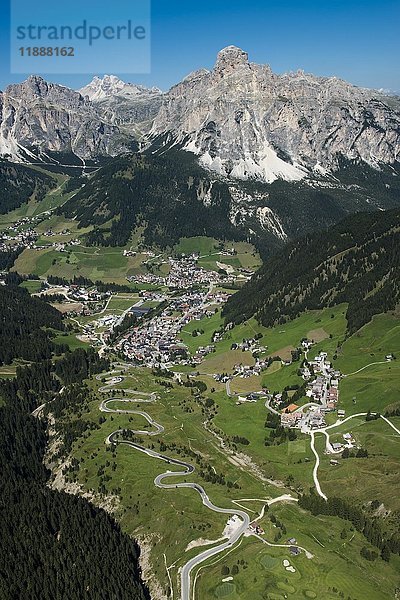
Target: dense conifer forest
(54, 545)
(356, 261)
(25, 326)
(159, 193)
(19, 183)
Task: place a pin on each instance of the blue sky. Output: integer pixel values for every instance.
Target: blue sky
(356, 40)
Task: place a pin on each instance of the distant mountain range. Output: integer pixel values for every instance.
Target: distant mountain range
(357, 261)
(293, 153)
(240, 119)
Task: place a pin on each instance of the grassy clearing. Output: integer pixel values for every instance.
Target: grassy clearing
(71, 340)
(336, 571)
(375, 477)
(33, 286)
(159, 514)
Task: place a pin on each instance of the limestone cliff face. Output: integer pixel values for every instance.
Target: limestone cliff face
(241, 119)
(127, 105)
(37, 116)
(245, 121)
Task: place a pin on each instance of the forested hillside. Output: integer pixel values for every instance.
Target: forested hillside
(19, 183)
(356, 261)
(158, 192)
(170, 195)
(53, 545)
(24, 326)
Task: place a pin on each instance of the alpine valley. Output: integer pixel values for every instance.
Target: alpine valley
(199, 338)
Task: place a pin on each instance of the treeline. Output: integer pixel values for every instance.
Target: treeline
(149, 191)
(85, 282)
(79, 365)
(53, 544)
(369, 527)
(39, 382)
(8, 257)
(356, 261)
(19, 183)
(23, 323)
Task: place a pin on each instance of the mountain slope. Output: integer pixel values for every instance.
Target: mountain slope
(149, 188)
(127, 105)
(244, 121)
(138, 190)
(37, 117)
(356, 261)
(19, 183)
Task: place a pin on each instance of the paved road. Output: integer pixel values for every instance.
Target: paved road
(115, 377)
(329, 447)
(188, 469)
(158, 428)
(315, 470)
(269, 407)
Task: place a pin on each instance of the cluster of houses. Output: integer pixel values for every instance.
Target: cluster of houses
(202, 352)
(245, 371)
(82, 294)
(323, 391)
(148, 278)
(21, 234)
(156, 342)
(25, 238)
(183, 273)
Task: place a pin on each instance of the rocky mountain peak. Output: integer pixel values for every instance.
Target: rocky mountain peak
(110, 86)
(244, 121)
(231, 58)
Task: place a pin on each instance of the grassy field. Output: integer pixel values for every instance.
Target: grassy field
(370, 344)
(376, 387)
(160, 514)
(376, 477)
(336, 570)
(106, 264)
(121, 302)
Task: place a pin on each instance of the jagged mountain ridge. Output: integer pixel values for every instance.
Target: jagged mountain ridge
(244, 121)
(37, 117)
(357, 261)
(240, 119)
(126, 105)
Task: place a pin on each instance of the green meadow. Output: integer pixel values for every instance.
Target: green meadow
(336, 570)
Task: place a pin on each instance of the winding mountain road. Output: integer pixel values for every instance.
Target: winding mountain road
(188, 469)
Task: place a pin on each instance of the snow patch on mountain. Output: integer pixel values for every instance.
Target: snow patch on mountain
(246, 122)
(109, 86)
